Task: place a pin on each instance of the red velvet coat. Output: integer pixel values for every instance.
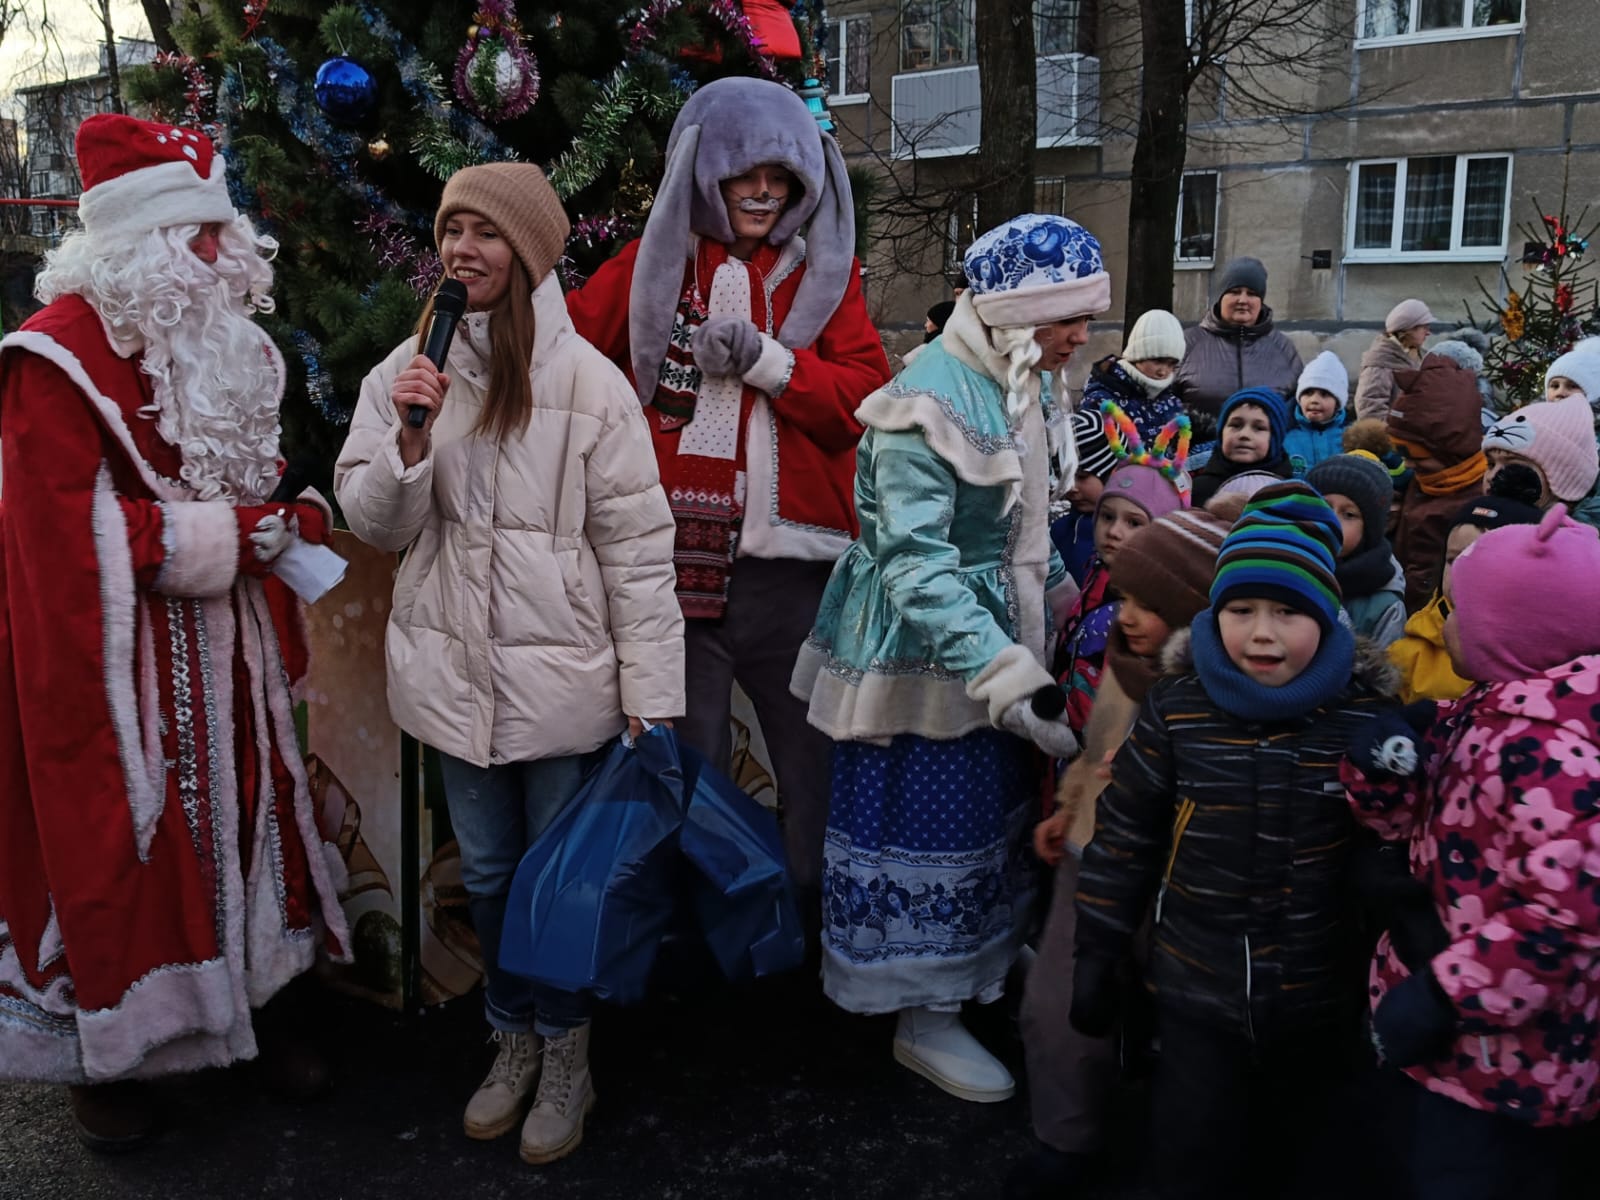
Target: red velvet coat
(809, 508)
(160, 868)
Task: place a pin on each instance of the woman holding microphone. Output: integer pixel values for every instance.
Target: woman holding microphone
(534, 616)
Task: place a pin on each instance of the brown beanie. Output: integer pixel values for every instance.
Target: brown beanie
(519, 201)
(1168, 565)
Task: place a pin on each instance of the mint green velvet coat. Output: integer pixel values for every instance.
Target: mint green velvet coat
(935, 620)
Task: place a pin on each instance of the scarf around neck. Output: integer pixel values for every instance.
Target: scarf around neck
(1365, 571)
(1325, 678)
(1459, 478)
(1136, 675)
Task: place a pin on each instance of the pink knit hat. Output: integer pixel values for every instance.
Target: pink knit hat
(1557, 436)
(1145, 486)
(1558, 561)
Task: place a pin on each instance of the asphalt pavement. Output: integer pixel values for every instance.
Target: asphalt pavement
(765, 1092)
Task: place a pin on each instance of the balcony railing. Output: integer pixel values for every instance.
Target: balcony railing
(936, 113)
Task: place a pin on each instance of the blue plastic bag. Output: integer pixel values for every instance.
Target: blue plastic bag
(743, 899)
(593, 896)
(654, 835)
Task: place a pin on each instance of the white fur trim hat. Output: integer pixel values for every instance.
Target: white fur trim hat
(1036, 269)
(1326, 372)
(1156, 334)
(1581, 364)
(139, 176)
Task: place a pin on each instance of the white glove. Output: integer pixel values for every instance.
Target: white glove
(1053, 737)
(272, 535)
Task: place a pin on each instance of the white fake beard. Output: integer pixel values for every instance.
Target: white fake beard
(215, 375)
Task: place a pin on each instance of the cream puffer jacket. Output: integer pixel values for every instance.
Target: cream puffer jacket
(535, 604)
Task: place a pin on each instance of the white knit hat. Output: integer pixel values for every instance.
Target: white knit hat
(1156, 334)
(1581, 364)
(138, 176)
(1325, 371)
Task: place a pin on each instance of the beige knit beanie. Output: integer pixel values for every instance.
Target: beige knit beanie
(521, 204)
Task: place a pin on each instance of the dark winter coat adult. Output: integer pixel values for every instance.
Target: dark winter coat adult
(1239, 831)
(1222, 358)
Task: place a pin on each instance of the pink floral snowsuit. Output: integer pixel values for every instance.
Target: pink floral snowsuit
(1504, 825)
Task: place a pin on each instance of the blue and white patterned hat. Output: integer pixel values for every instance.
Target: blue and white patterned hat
(1035, 269)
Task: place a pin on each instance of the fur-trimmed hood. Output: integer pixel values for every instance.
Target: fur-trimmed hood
(1372, 668)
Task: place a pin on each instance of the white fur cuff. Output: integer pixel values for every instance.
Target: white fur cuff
(1013, 675)
(773, 369)
(200, 540)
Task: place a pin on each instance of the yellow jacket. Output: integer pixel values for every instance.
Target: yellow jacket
(1425, 670)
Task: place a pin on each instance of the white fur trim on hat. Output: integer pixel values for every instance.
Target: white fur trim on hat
(156, 197)
(1326, 372)
(1156, 334)
(1043, 304)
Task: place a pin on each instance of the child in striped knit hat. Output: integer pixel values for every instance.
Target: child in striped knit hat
(1225, 812)
(1073, 531)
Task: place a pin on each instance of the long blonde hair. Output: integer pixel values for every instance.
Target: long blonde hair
(509, 401)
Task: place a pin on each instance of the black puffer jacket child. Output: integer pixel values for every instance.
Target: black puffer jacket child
(1240, 833)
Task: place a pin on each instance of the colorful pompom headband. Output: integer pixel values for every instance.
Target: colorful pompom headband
(1168, 455)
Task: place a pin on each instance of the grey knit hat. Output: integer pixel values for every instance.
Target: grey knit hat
(1365, 481)
(1243, 272)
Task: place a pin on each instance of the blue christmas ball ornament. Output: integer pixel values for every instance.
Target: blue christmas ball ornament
(346, 90)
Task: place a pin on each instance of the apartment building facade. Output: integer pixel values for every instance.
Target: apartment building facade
(1411, 155)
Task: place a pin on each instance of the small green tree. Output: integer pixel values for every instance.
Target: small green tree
(1558, 305)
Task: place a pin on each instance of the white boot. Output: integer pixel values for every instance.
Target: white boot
(937, 1046)
(498, 1103)
(555, 1122)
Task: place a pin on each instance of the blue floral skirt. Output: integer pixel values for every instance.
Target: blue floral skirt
(926, 886)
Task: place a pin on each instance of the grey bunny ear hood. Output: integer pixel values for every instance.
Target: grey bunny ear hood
(728, 127)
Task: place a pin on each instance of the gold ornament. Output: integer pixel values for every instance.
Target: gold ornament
(472, 33)
(379, 148)
(633, 194)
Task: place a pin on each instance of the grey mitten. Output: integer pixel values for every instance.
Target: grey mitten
(725, 346)
(1053, 736)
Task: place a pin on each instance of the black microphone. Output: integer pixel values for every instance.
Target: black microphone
(295, 479)
(1049, 702)
(449, 303)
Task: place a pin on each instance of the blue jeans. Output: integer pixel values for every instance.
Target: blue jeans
(497, 813)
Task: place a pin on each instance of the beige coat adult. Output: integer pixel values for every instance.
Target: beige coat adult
(534, 606)
(1376, 390)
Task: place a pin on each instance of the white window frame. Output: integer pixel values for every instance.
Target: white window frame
(1457, 252)
(1453, 34)
(1197, 264)
(841, 51)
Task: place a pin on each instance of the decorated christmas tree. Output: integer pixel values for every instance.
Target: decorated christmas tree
(1558, 305)
(341, 124)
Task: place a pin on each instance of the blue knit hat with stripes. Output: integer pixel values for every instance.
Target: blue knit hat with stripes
(1283, 547)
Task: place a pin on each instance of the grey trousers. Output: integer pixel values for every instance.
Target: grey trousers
(1070, 1076)
(772, 604)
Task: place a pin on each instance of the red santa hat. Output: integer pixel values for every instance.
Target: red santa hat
(139, 176)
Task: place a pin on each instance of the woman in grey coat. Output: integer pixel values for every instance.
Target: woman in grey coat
(1235, 345)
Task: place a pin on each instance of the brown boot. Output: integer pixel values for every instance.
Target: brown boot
(291, 1068)
(112, 1118)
